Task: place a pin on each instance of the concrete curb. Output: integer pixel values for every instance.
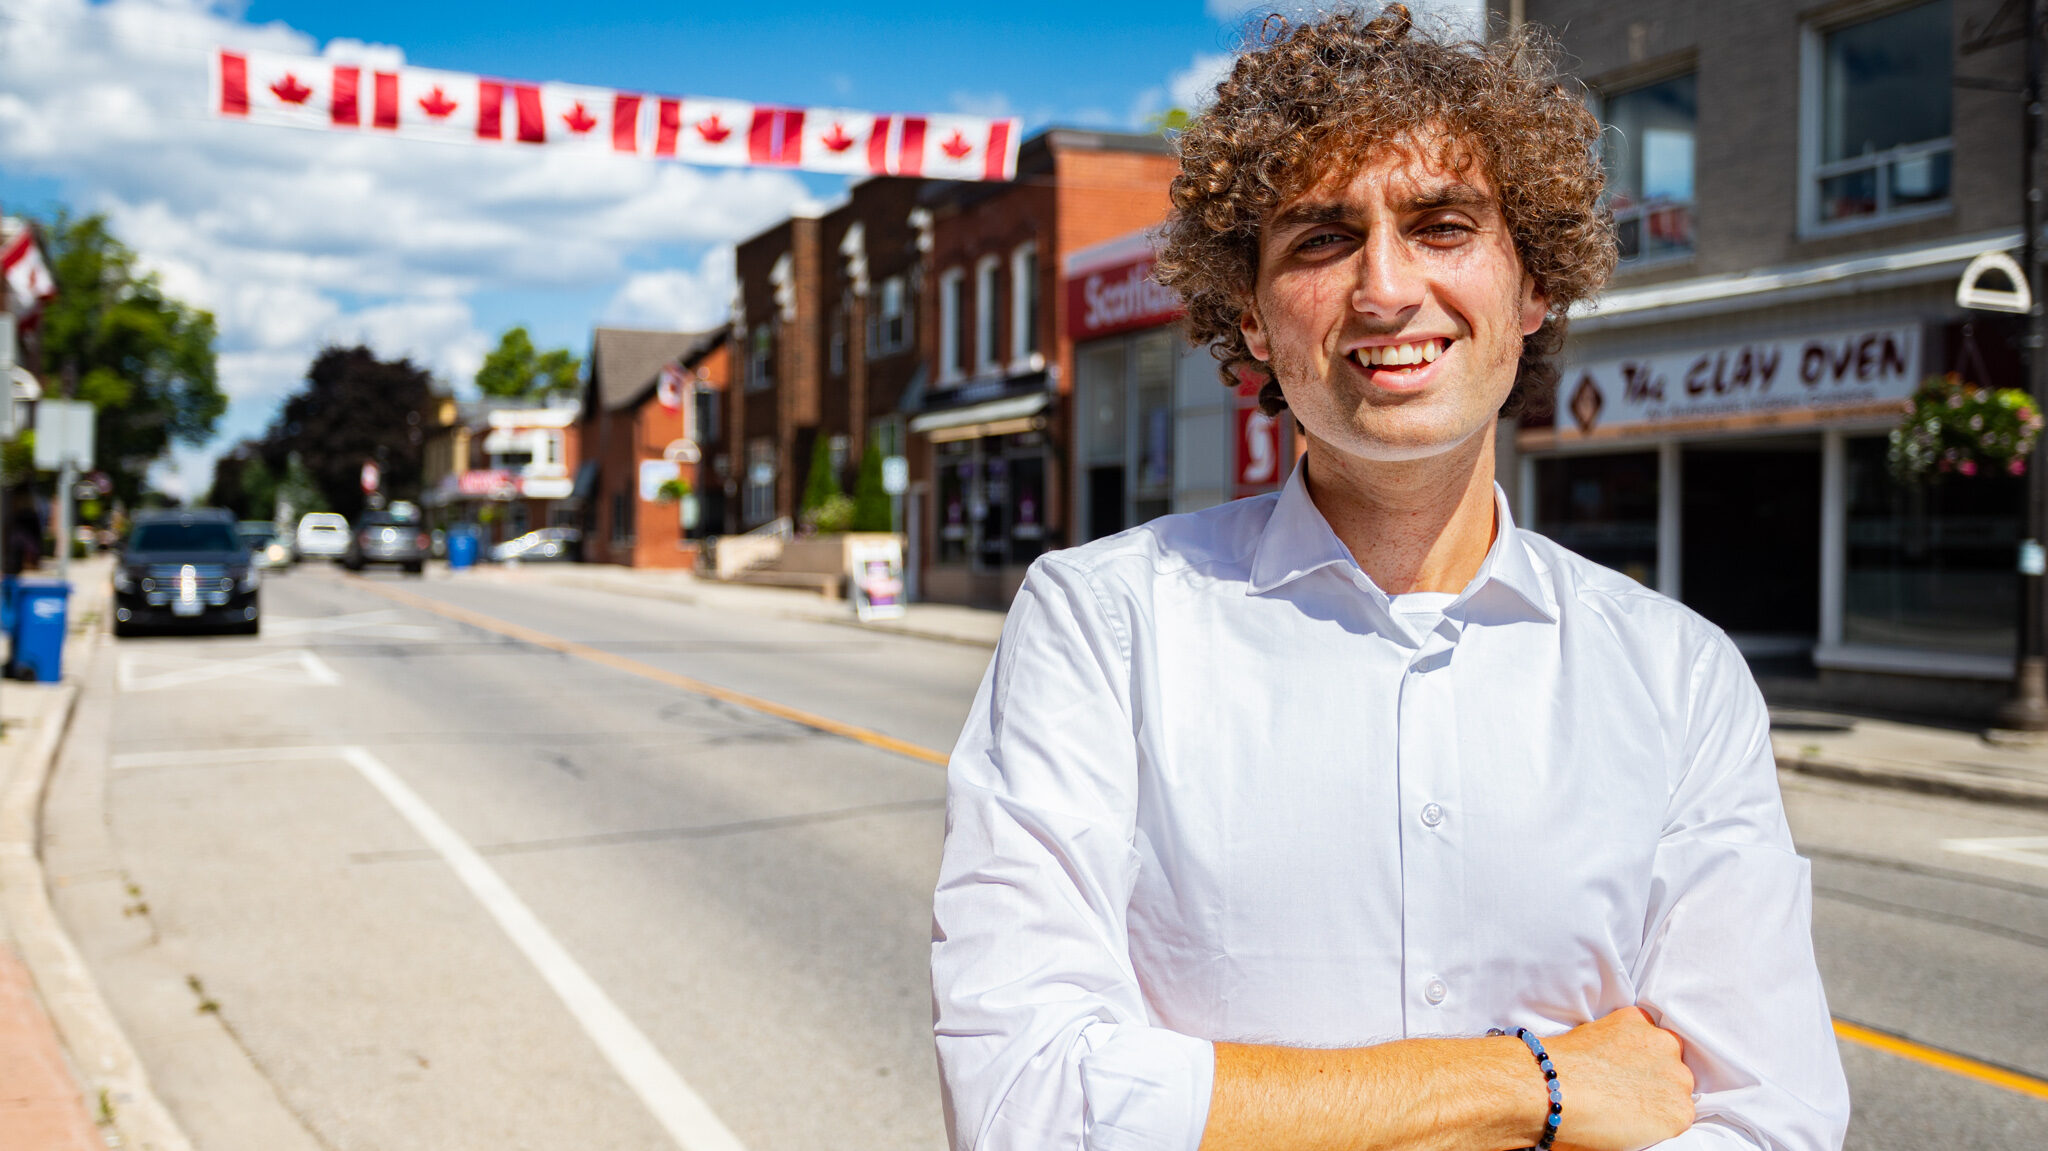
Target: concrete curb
(114, 1081)
(1984, 785)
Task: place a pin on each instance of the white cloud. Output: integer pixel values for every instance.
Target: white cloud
(1194, 87)
(1463, 17)
(293, 238)
(691, 299)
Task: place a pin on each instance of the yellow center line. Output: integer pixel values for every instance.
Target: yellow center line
(1902, 1047)
(617, 662)
(1947, 1061)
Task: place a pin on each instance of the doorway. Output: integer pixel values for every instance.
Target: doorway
(1750, 525)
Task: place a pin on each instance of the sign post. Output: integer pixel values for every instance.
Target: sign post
(64, 442)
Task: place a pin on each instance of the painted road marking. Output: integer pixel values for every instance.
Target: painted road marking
(2031, 850)
(510, 630)
(1855, 1033)
(674, 1104)
(1948, 1061)
(163, 670)
(366, 624)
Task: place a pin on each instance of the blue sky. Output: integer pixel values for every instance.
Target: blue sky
(299, 238)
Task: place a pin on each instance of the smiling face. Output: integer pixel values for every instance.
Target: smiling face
(1390, 305)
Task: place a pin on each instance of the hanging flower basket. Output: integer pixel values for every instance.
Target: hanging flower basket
(1958, 429)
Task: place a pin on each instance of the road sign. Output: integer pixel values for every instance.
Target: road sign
(895, 475)
(63, 434)
(371, 476)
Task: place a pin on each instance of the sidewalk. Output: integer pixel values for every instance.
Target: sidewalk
(1871, 751)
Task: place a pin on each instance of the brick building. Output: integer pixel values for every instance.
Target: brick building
(1796, 190)
(990, 433)
(648, 396)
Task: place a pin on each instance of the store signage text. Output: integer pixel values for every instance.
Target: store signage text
(1872, 369)
(1121, 298)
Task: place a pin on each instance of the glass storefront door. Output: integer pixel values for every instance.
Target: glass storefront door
(1750, 523)
(1604, 507)
(991, 511)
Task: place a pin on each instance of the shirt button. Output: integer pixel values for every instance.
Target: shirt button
(1434, 991)
(1432, 815)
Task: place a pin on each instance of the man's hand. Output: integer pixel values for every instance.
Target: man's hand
(1624, 1085)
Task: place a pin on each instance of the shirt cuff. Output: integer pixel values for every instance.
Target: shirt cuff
(1145, 1089)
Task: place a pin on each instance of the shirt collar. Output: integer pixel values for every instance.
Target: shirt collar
(1298, 541)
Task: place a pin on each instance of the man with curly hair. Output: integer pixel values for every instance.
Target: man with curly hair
(1270, 820)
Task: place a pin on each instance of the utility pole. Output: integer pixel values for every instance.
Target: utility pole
(2027, 710)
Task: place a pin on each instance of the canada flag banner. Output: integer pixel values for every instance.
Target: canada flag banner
(425, 104)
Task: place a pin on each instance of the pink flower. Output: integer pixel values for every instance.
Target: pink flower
(1967, 467)
(2017, 467)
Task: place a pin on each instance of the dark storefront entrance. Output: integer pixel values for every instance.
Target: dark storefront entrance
(1751, 526)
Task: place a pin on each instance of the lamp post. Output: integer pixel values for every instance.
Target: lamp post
(2027, 710)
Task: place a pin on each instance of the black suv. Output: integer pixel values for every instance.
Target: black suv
(186, 569)
(386, 538)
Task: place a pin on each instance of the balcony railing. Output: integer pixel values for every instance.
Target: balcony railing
(1653, 230)
(1898, 182)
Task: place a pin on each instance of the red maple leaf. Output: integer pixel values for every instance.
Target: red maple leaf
(957, 147)
(290, 90)
(712, 131)
(437, 104)
(838, 140)
(578, 120)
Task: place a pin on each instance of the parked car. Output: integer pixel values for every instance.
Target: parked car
(385, 538)
(541, 544)
(322, 536)
(264, 544)
(186, 570)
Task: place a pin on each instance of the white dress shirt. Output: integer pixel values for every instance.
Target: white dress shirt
(1217, 786)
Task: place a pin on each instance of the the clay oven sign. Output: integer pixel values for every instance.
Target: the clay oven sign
(1788, 381)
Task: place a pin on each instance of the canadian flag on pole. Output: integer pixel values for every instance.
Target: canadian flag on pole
(29, 282)
(425, 104)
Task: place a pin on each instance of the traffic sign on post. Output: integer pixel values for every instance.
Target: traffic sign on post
(371, 476)
(63, 434)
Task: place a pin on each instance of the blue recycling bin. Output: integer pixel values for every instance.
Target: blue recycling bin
(38, 632)
(9, 587)
(461, 547)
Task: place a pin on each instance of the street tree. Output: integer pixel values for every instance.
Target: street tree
(142, 358)
(355, 408)
(516, 370)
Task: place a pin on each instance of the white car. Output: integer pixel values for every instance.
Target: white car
(322, 535)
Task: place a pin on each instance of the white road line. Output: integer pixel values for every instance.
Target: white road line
(678, 1108)
(137, 759)
(158, 671)
(2031, 850)
(317, 669)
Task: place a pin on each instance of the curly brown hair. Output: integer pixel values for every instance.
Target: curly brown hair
(1306, 97)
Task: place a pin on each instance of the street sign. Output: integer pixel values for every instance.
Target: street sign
(895, 475)
(63, 434)
(371, 476)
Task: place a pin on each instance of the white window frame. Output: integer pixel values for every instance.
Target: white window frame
(952, 286)
(894, 291)
(1812, 62)
(1641, 211)
(1023, 295)
(987, 361)
(759, 493)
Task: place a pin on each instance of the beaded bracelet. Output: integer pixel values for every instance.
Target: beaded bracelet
(1556, 1115)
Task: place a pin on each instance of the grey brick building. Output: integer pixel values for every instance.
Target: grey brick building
(1797, 188)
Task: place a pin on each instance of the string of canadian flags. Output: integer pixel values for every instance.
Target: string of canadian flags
(427, 104)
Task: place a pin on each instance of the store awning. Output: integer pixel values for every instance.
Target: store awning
(993, 418)
(586, 481)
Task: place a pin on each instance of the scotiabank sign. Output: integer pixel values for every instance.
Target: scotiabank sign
(1118, 298)
(1800, 379)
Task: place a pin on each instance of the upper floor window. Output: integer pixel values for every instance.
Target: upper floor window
(986, 299)
(1023, 307)
(761, 358)
(1878, 118)
(889, 326)
(704, 401)
(1648, 152)
(836, 353)
(954, 337)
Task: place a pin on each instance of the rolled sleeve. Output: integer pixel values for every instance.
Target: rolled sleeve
(1728, 960)
(1043, 1036)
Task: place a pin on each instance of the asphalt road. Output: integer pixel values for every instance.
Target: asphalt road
(385, 879)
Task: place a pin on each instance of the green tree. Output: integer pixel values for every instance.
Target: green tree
(821, 484)
(871, 506)
(355, 408)
(244, 483)
(143, 359)
(297, 494)
(516, 370)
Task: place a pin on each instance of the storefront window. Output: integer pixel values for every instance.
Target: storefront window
(1648, 152)
(1103, 400)
(1604, 508)
(1885, 94)
(1152, 405)
(1930, 566)
(991, 500)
